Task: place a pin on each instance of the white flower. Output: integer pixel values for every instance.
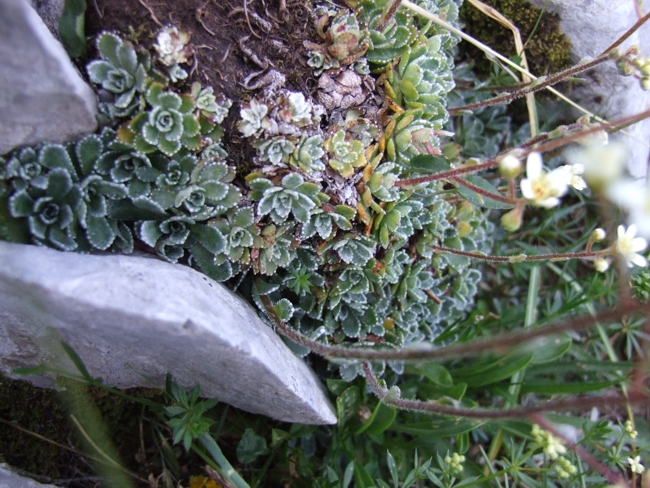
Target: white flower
(635, 464)
(541, 188)
(575, 170)
(634, 197)
(602, 165)
(629, 246)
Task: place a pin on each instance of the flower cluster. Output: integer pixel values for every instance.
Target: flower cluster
(455, 462)
(551, 445)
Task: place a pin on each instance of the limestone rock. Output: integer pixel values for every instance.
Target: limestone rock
(9, 479)
(592, 26)
(50, 11)
(133, 319)
(42, 96)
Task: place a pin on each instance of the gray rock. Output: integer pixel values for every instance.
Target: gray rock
(9, 479)
(134, 319)
(42, 96)
(592, 26)
(50, 11)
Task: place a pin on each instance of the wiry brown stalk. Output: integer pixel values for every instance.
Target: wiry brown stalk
(481, 191)
(430, 352)
(520, 258)
(533, 87)
(548, 146)
(553, 79)
(558, 405)
(628, 33)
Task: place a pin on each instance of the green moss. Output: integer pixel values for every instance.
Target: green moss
(547, 51)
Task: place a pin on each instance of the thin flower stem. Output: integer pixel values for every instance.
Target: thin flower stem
(429, 351)
(540, 84)
(522, 258)
(553, 144)
(490, 163)
(628, 33)
(491, 52)
(560, 404)
(481, 191)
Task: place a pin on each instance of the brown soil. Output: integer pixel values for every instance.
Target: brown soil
(224, 43)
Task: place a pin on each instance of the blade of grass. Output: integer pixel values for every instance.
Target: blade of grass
(229, 472)
(514, 389)
(519, 46)
(611, 354)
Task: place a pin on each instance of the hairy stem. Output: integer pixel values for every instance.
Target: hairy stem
(540, 84)
(561, 404)
(522, 258)
(525, 151)
(429, 351)
(483, 192)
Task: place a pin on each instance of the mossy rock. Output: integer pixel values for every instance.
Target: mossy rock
(548, 50)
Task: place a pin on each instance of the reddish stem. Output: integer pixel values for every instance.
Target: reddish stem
(515, 258)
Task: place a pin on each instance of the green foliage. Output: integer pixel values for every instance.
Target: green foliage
(186, 414)
(295, 196)
(122, 73)
(345, 155)
(72, 25)
(169, 125)
(641, 286)
(347, 255)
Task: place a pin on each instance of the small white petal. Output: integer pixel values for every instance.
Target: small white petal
(578, 169)
(533, 165)
(526, 186)
(639, 244)
(549, 202)
(638, 260)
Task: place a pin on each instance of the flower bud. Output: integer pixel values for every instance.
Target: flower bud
(601, 265)
(559, 131)
(625, 68)
(584, 120)
(614, 54)
(645, 83)
(450, 150)
(645, 69)
(511, 221)
(598, 235)
(509, 166)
